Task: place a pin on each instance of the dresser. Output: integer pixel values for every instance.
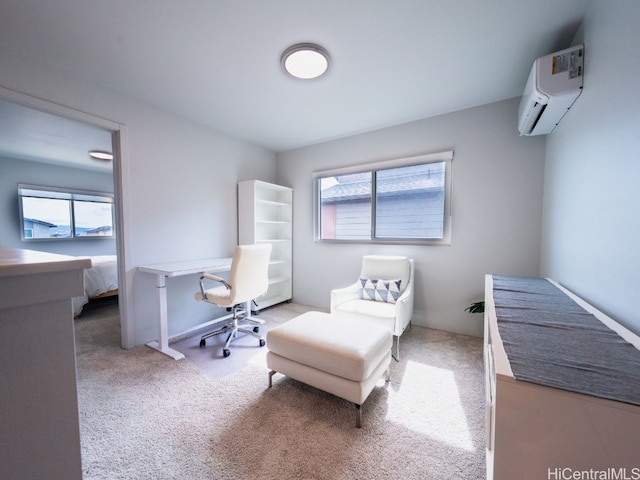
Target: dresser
(39, 426)
(562, 385)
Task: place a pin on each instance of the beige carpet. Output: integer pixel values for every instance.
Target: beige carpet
(146, 416)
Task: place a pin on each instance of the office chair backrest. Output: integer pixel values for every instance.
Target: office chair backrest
(249, 275)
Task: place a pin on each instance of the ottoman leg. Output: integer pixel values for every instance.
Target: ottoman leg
(271, 374)
(358, 415)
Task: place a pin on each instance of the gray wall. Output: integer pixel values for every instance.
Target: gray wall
(497, 211)
(13, 172)
(182, 202)
(591, 227)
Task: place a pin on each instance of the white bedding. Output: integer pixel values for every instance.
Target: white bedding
(102, 277)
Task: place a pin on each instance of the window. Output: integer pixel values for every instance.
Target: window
(404, 200)
(50, 213)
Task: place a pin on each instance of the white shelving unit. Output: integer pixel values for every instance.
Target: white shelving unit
(265, 216)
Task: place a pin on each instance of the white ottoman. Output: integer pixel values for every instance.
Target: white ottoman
(344, 357)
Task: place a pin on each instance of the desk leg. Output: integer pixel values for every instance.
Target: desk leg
(162, 345)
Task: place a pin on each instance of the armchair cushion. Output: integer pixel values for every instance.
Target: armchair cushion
(368, 308)
(379, 290)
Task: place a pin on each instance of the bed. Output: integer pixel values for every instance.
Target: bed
(101, 280)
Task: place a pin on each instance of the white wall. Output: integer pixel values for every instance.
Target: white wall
(497, 211)
(591, 227)
(178, 187)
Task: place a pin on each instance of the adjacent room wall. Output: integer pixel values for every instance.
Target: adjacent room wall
(591, 227)
(13, 172)
(178, 187)
(497, 211)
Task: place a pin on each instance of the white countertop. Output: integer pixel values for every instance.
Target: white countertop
(17, 261)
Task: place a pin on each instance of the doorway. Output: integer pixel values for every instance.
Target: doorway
(58, 137)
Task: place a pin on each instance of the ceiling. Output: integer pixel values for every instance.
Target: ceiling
(28, 134)
(217, 62)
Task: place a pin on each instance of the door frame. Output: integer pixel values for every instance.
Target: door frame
(119, 181)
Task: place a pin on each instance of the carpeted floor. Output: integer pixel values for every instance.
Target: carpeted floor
(244, 349)
(146, 416)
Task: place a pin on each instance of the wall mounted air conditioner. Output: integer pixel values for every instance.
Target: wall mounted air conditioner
(555, 82)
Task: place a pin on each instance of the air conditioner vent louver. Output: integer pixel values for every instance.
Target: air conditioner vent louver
(533, 127)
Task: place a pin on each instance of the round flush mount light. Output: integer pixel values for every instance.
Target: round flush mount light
(101, 155)
(305, 60)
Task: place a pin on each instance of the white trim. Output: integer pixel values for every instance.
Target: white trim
(394, 163)
(56, 109)
(443, 156)
(66, 193)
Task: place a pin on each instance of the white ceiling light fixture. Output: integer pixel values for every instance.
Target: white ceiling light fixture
(305, 60)
(101, 155)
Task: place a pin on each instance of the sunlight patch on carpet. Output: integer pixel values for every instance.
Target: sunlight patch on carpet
(427, 401)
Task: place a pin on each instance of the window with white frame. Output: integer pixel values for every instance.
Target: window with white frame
(51, 213)
(403, 200)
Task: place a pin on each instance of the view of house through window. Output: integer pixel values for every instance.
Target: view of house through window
(345, 207)
(400, 203)
(50, 213)
(410, 202)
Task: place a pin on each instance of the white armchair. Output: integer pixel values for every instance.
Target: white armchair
(378, 297)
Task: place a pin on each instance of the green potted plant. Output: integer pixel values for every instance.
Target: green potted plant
(475, 307)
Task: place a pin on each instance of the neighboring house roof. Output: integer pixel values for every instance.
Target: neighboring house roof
(41, 222)
(99, 229)
(360, 189)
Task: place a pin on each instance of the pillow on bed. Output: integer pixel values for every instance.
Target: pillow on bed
(379, 290)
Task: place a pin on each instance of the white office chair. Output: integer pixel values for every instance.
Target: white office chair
(383, 294)
(248, 279)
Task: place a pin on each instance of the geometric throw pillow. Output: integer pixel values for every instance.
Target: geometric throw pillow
(379, 290)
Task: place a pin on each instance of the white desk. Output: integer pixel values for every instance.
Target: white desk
(175, 269)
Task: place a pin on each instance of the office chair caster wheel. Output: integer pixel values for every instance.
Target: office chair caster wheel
(256, 329)
(226, 352)
(203, 343)
(262, 343)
